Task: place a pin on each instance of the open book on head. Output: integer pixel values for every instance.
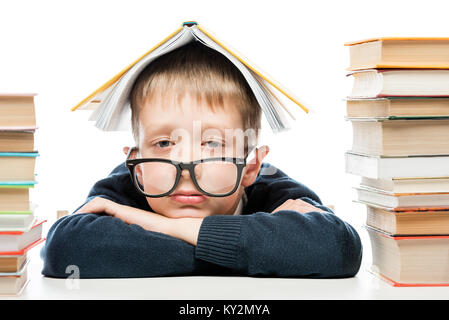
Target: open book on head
(111, 101)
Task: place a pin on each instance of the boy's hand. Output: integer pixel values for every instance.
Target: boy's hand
(148, 220)
(99, 205)
(186, 229)
(298, 205)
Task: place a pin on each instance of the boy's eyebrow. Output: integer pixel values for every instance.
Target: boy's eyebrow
(154, 128)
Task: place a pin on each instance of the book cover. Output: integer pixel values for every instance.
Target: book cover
(23, 251)
(411, 260)
(111, 100)
(17, 240)
(406, 82)
(399, 52)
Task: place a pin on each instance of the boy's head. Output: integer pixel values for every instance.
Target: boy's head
(192, 104)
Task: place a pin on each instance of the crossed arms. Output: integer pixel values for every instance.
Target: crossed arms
(292, 238)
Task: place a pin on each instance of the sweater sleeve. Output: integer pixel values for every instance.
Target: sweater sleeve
(282, 244)
(101, 246)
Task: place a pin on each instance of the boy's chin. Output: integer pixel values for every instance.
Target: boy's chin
(187, 213)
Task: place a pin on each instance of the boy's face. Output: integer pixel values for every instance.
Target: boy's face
(188, 131)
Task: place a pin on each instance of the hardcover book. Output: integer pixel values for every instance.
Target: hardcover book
(400, 137)
(13, 284)
(15, 197)
(17, 166)
(410, 260)
(422, 221)
(397, 108)
(385, 167)
(17, 111)
(399, 201)
(111, 101)
(374, 83)
(399, 52)
(14, 241)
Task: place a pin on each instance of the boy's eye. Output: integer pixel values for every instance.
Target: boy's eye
(213, 144)
(163, 143)
(167, 143)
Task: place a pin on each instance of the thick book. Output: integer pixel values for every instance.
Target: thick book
(22, 252)
(396, 201)
(17, 111)
(408, 222)
(111, 101)
(374, 83)
(16, 220)
(15, 197)
(17, 166)
(397, 107)
(408, 185)
(400, 137)
(410, 260)
(13, 241)
(397, 52)
(382, 167)
(17, 272)
(16, 140)
(12, 262)
(13, 284)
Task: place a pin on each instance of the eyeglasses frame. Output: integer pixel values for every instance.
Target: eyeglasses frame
(180, 166)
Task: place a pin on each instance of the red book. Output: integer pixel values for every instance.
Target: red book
(16, 241)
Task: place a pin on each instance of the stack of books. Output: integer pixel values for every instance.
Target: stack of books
(20, 229)
(399, 111)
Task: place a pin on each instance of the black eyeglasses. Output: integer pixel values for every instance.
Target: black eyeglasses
(215, 177)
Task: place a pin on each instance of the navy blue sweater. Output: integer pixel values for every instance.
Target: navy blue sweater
(256, 243)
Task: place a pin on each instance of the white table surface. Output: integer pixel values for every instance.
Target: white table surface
(363, 286)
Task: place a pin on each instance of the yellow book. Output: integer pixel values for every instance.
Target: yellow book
(110, 101)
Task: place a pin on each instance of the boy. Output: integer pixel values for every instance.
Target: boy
(223, 212)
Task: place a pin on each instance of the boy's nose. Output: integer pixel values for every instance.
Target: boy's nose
(186, 181)
(185, 174)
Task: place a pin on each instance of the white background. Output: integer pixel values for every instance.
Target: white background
(63, 50)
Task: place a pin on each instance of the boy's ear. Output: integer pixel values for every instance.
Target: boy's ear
(253, 166)
(126, 150)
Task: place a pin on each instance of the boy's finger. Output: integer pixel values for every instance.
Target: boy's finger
(89, 207)
(83, 209)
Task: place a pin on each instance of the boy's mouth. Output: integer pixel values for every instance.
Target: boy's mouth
(188, 197)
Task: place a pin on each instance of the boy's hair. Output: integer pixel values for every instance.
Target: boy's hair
(202, 72)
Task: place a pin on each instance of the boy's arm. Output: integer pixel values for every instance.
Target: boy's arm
(285, 243)
(104, 246)
(186, 229)
(298, 238)
(281, 244)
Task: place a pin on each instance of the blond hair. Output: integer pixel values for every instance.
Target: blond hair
(201, 72)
